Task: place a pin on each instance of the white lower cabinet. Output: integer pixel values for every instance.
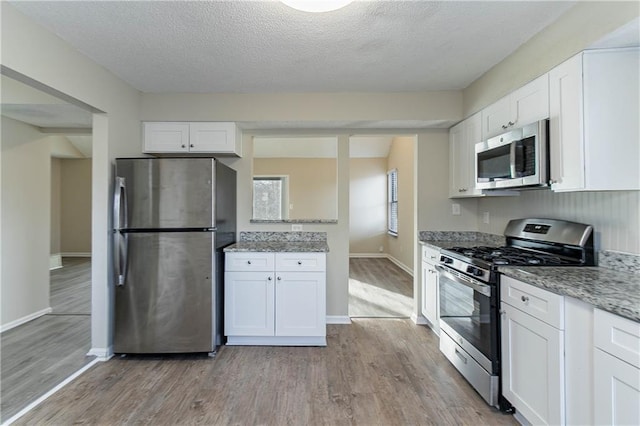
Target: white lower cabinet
(533, 352)
(616, 362)
(275, 299)
(429, 288)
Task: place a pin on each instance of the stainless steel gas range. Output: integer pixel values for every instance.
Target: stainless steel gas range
(470, 293)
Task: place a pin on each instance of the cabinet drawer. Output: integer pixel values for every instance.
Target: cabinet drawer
(249, 261)
(617, 336)
(539, 303)
(301, 262)
(430, 255)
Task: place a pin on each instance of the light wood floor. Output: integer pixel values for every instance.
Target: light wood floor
(373, 372)
(40, 354)
(379, 289)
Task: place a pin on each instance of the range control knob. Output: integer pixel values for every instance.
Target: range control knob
(474, 271)
(446, 260)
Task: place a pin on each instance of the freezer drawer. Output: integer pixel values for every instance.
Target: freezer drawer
(168, 301)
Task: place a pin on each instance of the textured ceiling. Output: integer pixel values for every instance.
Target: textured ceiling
(267, 47)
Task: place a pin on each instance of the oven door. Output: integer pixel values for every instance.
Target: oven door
(469, 315)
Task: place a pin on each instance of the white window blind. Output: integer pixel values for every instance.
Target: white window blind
(392, 201)
(270, 195)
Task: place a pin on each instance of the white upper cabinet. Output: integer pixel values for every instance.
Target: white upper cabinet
(462, 170)
(220, 138)
(594, 135)
(526, 105)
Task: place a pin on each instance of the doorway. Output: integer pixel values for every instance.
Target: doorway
(46, 318)
(381, 222)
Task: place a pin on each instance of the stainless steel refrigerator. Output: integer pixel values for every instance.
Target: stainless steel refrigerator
(172, 218)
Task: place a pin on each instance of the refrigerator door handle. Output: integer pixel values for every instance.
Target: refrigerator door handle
(120, 239)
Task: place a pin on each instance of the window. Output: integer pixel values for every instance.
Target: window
(270, 197)
(392, 201)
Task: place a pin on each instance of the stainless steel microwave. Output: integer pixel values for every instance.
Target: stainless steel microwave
(514, 159)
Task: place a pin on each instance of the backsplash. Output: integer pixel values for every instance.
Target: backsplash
(613, 214)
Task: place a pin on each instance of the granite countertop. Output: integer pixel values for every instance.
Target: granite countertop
(447, 244)
(615, 288)
(607, 289)
(279, 246)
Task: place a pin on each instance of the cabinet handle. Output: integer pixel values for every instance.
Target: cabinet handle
(248, 262)
(504, 126)
(433, 257)
(190, 145)
(183, 145)
(299, 262)
(511, 123)
(462, 357)
(279, 278)
(525, 299)
(269, 278)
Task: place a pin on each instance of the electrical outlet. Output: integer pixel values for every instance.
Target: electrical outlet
(455, 209)
(296, 227)
(485, 217)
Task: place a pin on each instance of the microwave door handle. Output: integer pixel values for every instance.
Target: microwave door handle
(512, 159)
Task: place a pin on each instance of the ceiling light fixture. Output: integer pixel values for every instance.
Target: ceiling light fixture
(316, 5)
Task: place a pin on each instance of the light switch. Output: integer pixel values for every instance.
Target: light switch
(485, 217)
(455, 209)
(296, 227)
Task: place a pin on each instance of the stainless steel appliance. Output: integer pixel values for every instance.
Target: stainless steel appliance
(172, 218)
(470, 292)
(514, 159)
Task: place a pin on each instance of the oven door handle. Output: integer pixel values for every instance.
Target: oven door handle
(481, 288)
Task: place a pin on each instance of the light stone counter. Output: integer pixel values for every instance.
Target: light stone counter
(607, 289)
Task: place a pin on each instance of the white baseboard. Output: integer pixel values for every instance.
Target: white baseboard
(419, 319)
(76, 254)
(102, 354)
(400, 265)
(338, 319)
(55, 261)
(383, 256)
(25, 319)
(38, 401)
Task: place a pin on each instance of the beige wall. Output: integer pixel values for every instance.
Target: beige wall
(29, 49)
(55, 206)
(367, 205)
(576, 30)
(401, 157)
(75, 224)
(312, 184)
(26, 214)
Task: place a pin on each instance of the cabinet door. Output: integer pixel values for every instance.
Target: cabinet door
(248, 304)
(496, 118)
(430, 295)
(300, 299)
(532, 367)
(166, 137)
(530, 103)
(457, 161)
(617, 391)
(566, 142)
(212, 137)
(472, 135)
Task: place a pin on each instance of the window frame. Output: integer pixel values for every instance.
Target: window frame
(284, 199)
(392, 202)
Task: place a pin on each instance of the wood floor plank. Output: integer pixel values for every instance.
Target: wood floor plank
(372, 372)
(379, 289)
(38, 355)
